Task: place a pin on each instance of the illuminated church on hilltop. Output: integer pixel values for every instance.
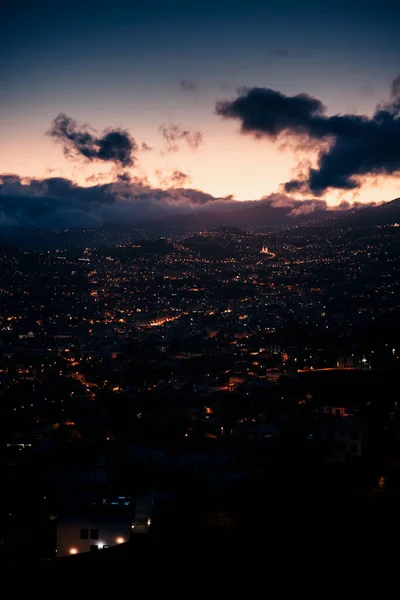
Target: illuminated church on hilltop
(264, 250)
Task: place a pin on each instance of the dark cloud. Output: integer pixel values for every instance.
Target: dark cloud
(115, 146)
(145, 147)
(175, 179)
(173, 134)
(97, 178)
(350, 146)
(180, 178)
(124, 177)
(185, 85)
(266, 112)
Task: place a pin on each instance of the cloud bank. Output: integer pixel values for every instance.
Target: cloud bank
(350, 147)
(55, 202)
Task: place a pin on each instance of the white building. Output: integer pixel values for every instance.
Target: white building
(77, 533)
(114, 524)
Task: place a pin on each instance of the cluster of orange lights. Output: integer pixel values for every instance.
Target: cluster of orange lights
(118, 540)
(161, 321)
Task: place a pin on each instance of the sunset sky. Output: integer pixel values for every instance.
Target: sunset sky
(138, 65)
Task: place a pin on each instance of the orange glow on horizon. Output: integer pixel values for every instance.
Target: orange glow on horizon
(228, 164)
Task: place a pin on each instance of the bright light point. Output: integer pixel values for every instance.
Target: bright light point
(73, 551)
(148, 522)
(120, 540)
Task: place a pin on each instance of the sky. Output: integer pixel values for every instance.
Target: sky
(168, 74)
